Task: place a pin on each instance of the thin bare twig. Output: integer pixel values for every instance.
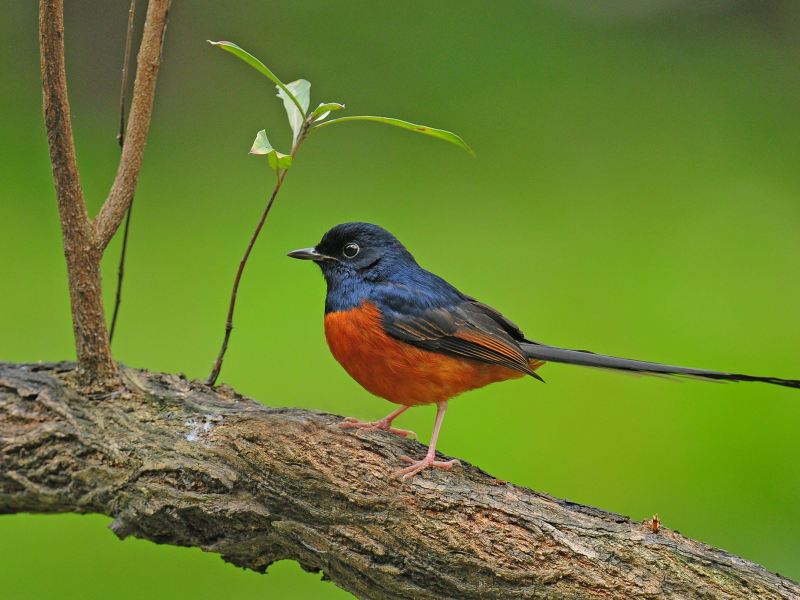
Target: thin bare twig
(121, 134)
(215, 369)
(212, 378)
(120, 273)
(148, 61)
(121, 138)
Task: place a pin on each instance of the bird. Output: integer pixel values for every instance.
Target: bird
(410, 337)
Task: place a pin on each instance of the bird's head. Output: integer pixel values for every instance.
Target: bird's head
(357, 250)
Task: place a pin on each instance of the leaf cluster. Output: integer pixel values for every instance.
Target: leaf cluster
(296, 98)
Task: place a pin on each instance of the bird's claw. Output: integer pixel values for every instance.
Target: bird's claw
(404, 432)
(419, 465)
(382, 425)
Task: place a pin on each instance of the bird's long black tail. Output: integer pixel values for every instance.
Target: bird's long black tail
(625, 365)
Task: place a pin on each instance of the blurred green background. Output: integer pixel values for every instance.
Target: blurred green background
(636, 192)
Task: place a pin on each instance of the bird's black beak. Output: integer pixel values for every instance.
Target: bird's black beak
(308, 254)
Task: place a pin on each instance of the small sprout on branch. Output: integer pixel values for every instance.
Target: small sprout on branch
(276, 160)
(655, 524)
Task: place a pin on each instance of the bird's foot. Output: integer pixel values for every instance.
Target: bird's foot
(383, 425)
(419, 465)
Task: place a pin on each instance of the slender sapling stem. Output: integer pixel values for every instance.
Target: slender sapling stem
(121, 138)
(212, 378)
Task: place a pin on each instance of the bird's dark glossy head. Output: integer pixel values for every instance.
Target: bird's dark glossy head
(364, 262)
(359, 250)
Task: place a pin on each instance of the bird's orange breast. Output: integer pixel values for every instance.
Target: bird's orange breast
(400, 372)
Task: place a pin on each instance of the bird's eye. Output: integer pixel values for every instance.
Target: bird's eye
(350, 250)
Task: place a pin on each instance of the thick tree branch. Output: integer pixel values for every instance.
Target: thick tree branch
(176, 462)
(144, 88)
(83, 257)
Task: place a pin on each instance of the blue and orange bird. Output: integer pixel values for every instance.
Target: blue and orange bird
(410, 337)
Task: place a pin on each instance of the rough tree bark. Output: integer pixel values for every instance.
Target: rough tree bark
(176, 462)
(84, 240)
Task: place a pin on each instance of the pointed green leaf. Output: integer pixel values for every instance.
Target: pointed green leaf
(258, 66)
(439, 133)
(261, 145)
(300, 91)
(273, 160)
(276, 159)
(323, 110)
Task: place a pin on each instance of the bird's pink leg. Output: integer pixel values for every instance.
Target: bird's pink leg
(384, 424)
(429, 460)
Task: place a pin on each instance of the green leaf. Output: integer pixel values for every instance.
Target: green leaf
(323, 110)
(258, 66)
(276, 159)
(439, 133)
(300, 91)
(261, 145)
